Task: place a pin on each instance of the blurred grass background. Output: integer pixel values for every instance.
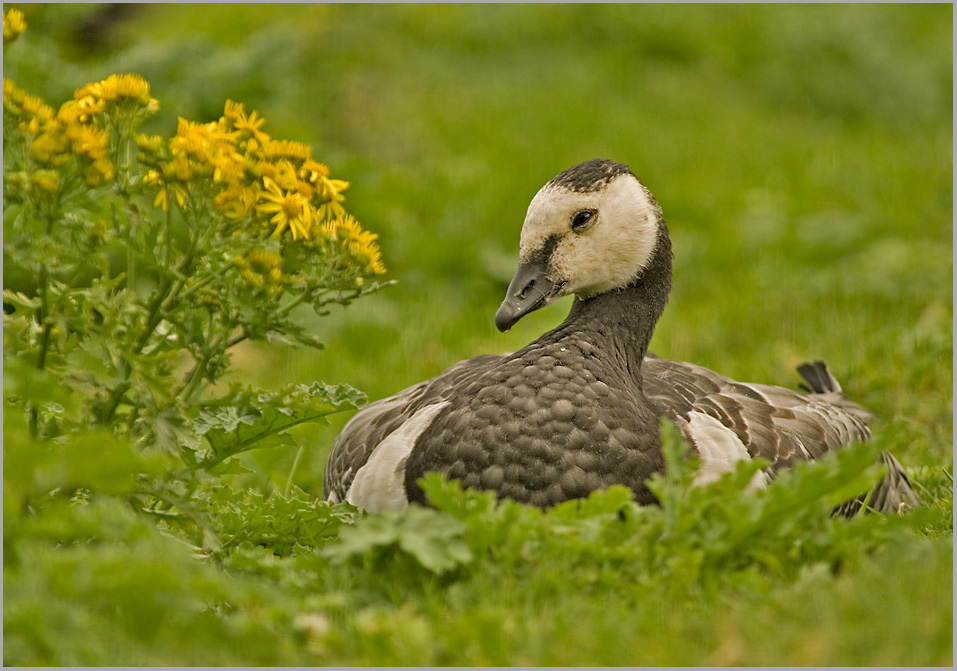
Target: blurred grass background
(802, 155)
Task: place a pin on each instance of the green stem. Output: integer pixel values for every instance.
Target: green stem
(44, 318)
(167, 294)
(154, 316)
(238, 339)
(47, 330)
(195, 376)
(43, 314)
(292, 471)
(203, 281)
(116, 396)
(118, 392)
(193, 379)
(44, 346)
(288, 307)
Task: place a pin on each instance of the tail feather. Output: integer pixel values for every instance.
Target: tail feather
(818, 378)
(892, 496)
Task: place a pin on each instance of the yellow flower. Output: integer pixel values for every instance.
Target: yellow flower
(119, 90)
(326, 229)
(248, 126)
(12, 98)
(50, 148)
(163, 199)
(89, 142)
(331, 190)
(89, 106)
(313, 171)
(251, 125)
(199, 140)
(311, 175)
(150, 149)
(149, 143)
(288, 209)
(285, 176)
(178, 170)
(165, 179)
(360, 243)
(47, 181)
(153, 178)
(209, 148)
(228, 166)
(21, 104)
(233, 110)
(100, 171)
(236, 201)
(264, 260)
(273, 150)
(13, 25)
(260, 169)
(250, 277)
(332, 208)
(31, 127)
(70, 113)
(37, 109)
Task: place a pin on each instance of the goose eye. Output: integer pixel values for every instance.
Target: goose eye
(582, 219)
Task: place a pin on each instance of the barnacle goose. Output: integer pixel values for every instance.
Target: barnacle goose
(579, 408)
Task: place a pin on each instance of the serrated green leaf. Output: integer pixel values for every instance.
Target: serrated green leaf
(230, 467)
(20, 301)
(279, 521)
(601, 502)
(370, 532)
(246, 418)
(436, 540)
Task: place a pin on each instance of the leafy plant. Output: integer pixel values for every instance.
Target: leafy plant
(136, 265)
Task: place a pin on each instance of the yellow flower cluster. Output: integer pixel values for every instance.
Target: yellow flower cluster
(39, 183)
(250, 183)
(79, 128)
(359, 243)
(261, 270)
(30, 111)
(116, 92)
(13, 25)
(266, 186)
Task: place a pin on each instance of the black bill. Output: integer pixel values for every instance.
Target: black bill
(528, 291)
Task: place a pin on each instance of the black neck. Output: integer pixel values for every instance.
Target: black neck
(625, 318)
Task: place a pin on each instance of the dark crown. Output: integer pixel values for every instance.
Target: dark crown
(590, 175)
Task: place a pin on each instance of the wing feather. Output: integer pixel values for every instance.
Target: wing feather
(370, 426)
(774, 423)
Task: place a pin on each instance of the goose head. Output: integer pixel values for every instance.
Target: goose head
(592, 229)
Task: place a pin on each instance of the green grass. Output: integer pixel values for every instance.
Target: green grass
(802, 156)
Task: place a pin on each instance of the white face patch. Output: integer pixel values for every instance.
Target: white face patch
(610, 253)
(720, 449)
(380, 484)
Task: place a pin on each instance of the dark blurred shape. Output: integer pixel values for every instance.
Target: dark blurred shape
(95, 33)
